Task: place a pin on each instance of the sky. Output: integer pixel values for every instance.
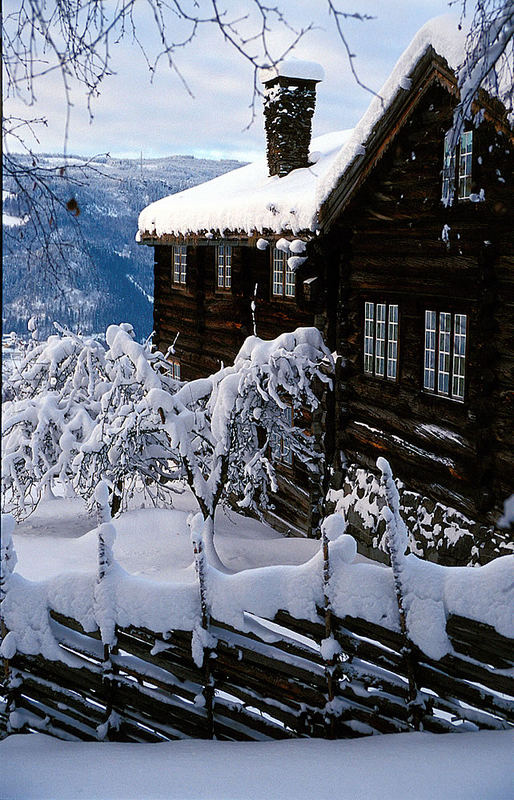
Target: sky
(134, 115)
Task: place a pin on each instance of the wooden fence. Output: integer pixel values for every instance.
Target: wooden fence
(272, 679)
(271, 683)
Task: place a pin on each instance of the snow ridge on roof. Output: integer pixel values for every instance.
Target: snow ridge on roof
(441, 33)
(248, 200)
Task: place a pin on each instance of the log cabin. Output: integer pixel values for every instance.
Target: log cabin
(400, 249)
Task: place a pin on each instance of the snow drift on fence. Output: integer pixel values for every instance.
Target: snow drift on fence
(485, 594)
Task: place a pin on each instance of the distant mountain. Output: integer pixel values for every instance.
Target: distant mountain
(107, 276)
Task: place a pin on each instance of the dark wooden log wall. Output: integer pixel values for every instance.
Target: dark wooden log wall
(390, 250)
(212, 323)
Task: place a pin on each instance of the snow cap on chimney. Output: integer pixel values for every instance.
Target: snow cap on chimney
(289, 100)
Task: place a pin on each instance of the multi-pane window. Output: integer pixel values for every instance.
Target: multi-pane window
(445, 353)
(381, 340)
(280, 449)
(175, 367)
(224, 266)
(180, 264)
(283, 276)
(457, 166)
(465, 159)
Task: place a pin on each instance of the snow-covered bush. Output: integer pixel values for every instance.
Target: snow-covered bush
(127, 445)
(69, 394)
(85, 413)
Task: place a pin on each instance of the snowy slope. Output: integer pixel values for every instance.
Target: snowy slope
(107, 277)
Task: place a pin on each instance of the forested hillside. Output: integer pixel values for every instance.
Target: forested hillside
(106, 277)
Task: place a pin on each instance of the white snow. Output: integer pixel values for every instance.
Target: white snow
(11, 221)
(421, 766)
(294, 68)
(247, 200)
(153, 581)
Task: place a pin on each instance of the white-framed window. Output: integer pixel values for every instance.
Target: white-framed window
(465, 162)
(280, 449)
(381, 328)
(444, 369)
(180, 264)
(457, 167)
(224, 266)
(284, 282)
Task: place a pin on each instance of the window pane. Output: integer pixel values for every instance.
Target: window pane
(228, 266)
(443, 377)
(465, 160)
(176, 264)
(369, 336)
(380, 330)
(183, 252)
(448, 170)
(221, 266)
(392, 343)
(459, 355)
(290, 280)
(278, 272)
(430, 334)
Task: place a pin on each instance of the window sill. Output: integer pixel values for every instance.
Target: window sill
(427, 393)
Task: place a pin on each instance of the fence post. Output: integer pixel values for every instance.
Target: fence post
(10, 678)
(396, 542)
(332, 528)
(105, 607)
(202, 643)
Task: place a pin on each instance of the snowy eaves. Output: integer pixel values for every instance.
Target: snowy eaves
(248, 200)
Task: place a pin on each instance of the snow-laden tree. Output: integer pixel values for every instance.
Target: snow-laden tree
(127, 445)
(223, 426)
(489, 59)
(68, 393)
(55, 395)
(121, 418)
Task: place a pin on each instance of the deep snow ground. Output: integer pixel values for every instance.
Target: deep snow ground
(60, 537)
(405, 766)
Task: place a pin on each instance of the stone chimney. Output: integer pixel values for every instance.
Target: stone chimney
(289, 100)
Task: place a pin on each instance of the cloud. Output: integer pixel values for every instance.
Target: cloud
(160, 117)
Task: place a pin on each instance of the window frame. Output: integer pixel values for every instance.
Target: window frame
(280, 451)
(457, 172)
(287, 280)
(378, 362)
(225, 251)
(447, 365)
(176, 369)
(179, 266)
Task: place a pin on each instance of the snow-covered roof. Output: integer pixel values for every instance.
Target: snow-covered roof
(294, 68)
(248, 200)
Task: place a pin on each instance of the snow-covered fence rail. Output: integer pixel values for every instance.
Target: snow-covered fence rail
(256, 655)
(269, 682)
